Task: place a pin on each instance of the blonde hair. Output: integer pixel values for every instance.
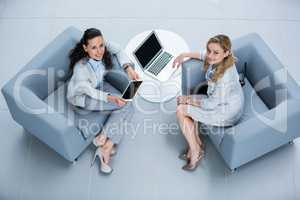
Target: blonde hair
(227, 62)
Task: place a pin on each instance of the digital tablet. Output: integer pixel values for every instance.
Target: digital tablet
(131, 90)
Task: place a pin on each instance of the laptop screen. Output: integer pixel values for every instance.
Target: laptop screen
(148, 50)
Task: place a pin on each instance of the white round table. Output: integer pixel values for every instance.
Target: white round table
(152, 89)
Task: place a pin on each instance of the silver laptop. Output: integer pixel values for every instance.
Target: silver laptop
(152, 58)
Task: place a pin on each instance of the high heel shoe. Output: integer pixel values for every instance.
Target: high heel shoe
(191, 167)
(184, 153)
(96, 144)
(104, 168)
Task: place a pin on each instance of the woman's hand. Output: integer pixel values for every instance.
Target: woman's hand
(117, 100)
(178, 60)
(194, 102)
(188, 100)
(133, 75)
(182, 99)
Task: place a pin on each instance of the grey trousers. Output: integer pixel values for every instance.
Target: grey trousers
(115, 126)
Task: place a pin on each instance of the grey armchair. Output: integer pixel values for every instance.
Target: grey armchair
(272, 103)
(36, 98)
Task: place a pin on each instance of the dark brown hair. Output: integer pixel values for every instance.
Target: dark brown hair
(77, 53)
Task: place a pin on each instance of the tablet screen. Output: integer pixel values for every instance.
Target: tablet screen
(131, 89)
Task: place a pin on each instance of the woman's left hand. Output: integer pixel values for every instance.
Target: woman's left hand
(188, 100)
(194, 102)
(133, 75)
(182, 99)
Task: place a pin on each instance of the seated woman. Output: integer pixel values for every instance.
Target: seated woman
(90, 60)
(223, 104)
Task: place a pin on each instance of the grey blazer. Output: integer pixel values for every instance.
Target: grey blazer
(84, 81)
(223, 106)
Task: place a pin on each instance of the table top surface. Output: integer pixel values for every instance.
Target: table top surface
(152, 89)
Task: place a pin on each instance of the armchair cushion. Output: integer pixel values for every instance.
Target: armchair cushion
(88, 122)
(253, 103)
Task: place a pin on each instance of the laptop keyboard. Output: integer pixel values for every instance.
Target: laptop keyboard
(160, 63)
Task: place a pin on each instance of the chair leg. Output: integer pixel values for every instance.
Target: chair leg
(75, 161)
(233, 170)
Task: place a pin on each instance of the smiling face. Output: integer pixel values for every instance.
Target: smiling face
(215, 53)
(95, 48)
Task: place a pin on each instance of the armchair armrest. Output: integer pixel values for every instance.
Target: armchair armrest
(283, 121)
(42, 121)
(271, 129)
(192, 75)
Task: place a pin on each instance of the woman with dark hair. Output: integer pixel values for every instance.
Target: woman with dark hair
(91, 61)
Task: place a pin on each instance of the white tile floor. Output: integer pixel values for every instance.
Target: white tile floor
(30, 170)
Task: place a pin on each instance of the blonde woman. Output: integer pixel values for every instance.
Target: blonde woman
(223, 104)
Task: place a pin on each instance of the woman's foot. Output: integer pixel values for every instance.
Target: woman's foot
(186, 153)
(194, 160)
(107, 149)
(104, 167)
(183, 154)
(100, 140)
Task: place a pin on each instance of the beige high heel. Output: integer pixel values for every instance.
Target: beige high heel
(191, 167)
(104, 168)
(96, 144)
(184, 153)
